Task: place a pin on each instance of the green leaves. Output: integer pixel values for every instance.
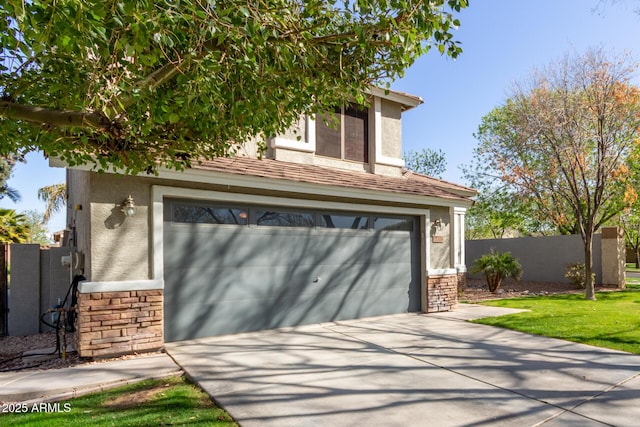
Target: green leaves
(563, 143)
(428, 162)
(153, 79)
(497, 266)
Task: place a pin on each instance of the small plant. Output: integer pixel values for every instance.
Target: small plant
(496, 266)
(577, 275)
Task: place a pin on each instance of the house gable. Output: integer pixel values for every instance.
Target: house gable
(300, 144)
(313, 270)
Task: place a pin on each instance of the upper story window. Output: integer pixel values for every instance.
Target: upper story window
(348, 139)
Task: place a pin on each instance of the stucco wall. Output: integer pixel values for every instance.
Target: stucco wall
(440, 238)
(297, 132)
(120, 244)
(543, 258)
(24, 290)
(79, 213)
(391, 147)
(391, 129)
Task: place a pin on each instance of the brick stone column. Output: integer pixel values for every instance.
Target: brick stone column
(115, 323)
(442, 292)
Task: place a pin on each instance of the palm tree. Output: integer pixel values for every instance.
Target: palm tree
(55, 196)
(13, 227)
(6, 168)
(497, 266)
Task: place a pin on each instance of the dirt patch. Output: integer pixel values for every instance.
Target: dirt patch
(136, 398)
(13, 347)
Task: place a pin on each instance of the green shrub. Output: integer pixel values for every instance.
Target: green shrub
(496, 266)
(577, 275)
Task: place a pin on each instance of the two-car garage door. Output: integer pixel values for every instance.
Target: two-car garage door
(231, 269)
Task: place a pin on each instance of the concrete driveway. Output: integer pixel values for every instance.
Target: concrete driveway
(413, 370)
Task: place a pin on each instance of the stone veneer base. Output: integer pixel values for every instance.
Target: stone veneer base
(114, 323)
(442, 292)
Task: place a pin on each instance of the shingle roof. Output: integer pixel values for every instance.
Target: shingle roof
(409, 183)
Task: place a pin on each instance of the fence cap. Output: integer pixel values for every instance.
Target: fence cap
(612, 232)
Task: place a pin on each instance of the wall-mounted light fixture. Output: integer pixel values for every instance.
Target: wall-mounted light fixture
(129, 207)
(438, 223)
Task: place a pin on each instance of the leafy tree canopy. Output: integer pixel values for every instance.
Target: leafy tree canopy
(14, 227)
(142, 84)
(499, 210)
(565, 141)
(428, 162)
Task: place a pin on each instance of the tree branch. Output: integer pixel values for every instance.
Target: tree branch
(58, 118)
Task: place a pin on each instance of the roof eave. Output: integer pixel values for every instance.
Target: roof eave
(406, 100)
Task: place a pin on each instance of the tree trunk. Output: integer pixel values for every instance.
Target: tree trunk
(637, 251)
(590, 293)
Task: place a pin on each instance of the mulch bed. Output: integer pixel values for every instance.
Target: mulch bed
(477, 290)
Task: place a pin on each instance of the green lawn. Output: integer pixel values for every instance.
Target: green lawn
(632, 267)
(632, 283)
(613, 321)
(169, 401)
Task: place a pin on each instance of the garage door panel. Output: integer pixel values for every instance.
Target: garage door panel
(229, 317)
(252, 247)
(225, 279)
(214, 284)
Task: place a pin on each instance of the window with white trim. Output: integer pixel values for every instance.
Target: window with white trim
(344, 134)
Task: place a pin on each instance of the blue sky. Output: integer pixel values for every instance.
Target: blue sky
(503, 41)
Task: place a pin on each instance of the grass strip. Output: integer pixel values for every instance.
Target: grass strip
(632, 267)
(162, 402)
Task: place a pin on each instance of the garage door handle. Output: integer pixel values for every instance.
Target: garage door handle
(316, 280)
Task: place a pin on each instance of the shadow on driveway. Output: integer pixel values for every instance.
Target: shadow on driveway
(412, 369)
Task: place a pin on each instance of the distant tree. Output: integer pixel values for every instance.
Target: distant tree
(499, 211)
(563, 141)
(141, 84)
(629, 218)
(498, 214)
(428, 162)
(14, 227)
(35, 223)
(630, 222)
(55, 197)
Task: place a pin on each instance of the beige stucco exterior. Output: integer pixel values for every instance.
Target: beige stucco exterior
(120, 248)
(79, 213)
(440, 241)
(391, 129)
(385, 141)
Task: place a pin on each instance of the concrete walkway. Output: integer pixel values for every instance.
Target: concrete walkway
(418, 370)
(66, 383)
